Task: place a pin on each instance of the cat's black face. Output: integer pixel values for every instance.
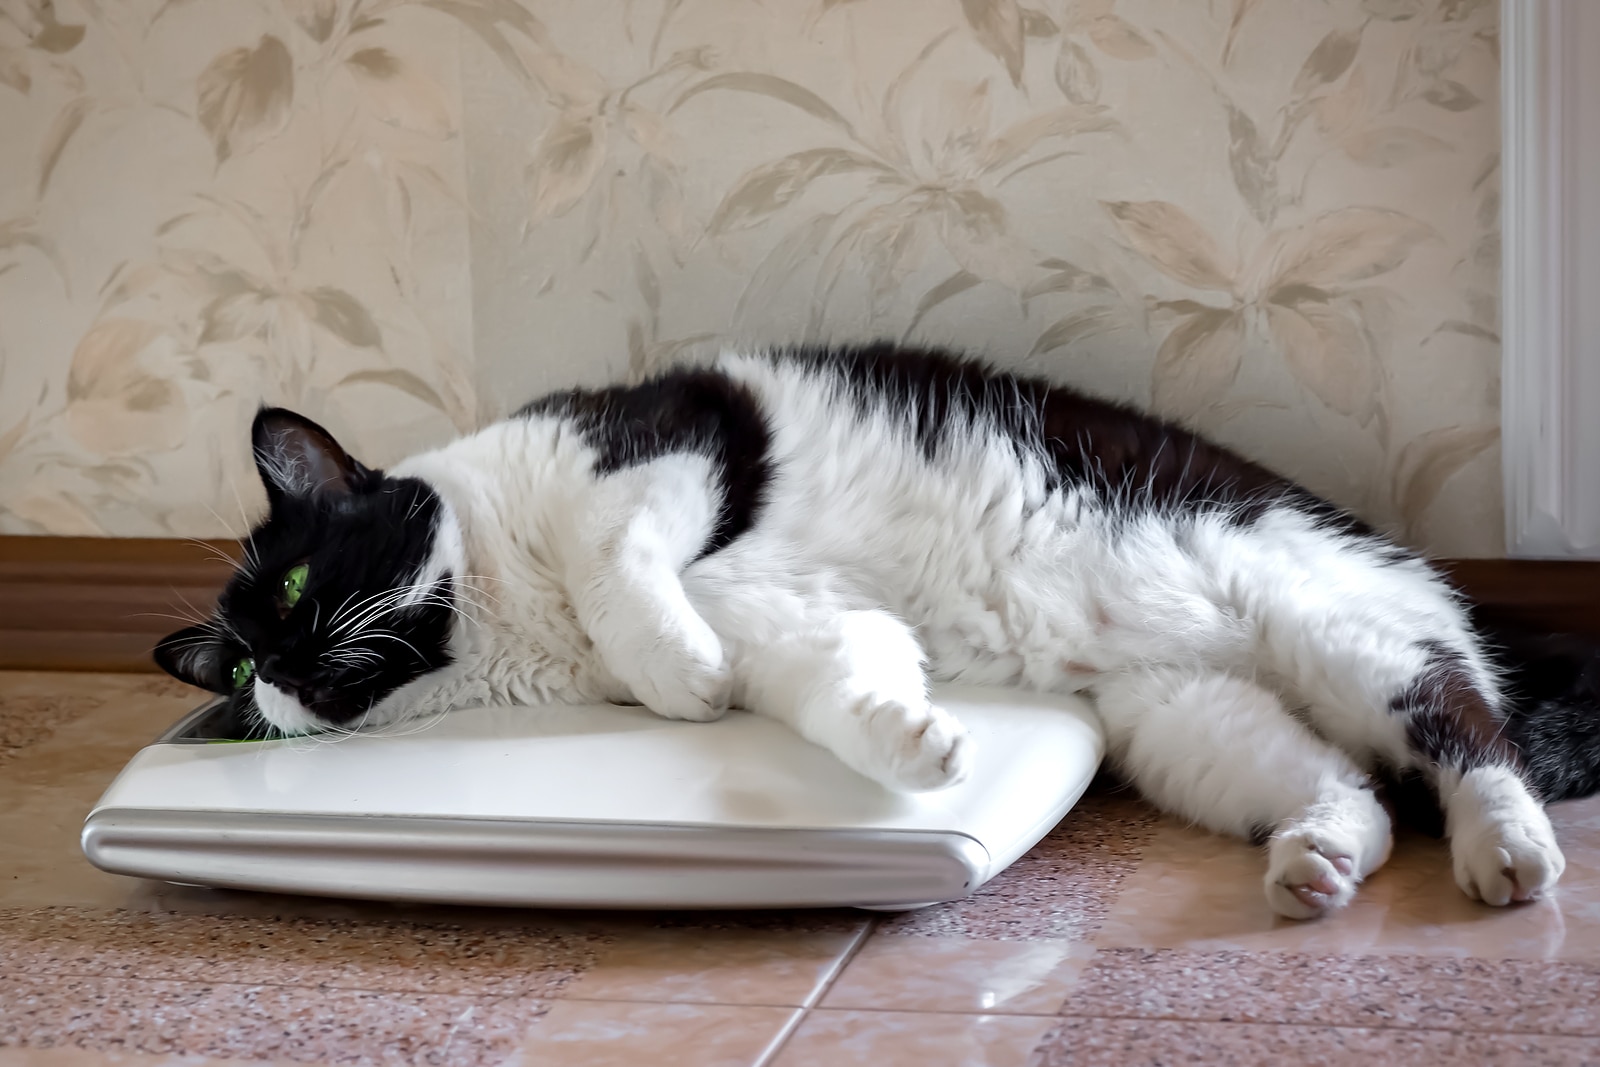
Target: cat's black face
(346, 593)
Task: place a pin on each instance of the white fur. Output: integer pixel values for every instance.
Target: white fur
(1328, 830)
(872, 568)
(1502, 844)
(447, 558)
(283, 710)
(627, 547)
(286, 469)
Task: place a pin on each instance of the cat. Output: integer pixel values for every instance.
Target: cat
(812, 534)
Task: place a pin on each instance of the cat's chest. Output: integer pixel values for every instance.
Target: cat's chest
(528, 645)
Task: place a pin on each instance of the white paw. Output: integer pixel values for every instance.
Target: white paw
(1316, 860)
(1502, 846)
(1310, 872)
(916, 748)
(682, 677)
(1509, 861)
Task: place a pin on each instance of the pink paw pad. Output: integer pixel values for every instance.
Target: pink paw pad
(1321, 890)
(1519, 895)
(1311, 882)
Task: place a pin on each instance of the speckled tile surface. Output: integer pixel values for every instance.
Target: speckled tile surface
(1123, 938)
(1061, 889)
(1353, 991)
(73, 1056)
(33, 705)
(233, 1021)
(376, 954)
(1125, 1042)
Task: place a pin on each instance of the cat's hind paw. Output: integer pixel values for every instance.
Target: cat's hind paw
(1308, 877)
(1316, 860)
(1502, 846)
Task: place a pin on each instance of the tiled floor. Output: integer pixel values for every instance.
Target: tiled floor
(1124, 938)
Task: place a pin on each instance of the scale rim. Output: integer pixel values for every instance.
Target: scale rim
(536, 862)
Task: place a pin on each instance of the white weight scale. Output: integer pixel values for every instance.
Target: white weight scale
(590, 806)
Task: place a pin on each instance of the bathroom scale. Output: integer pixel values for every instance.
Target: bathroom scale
(591, 806)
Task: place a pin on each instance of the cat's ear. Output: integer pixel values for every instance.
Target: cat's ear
(198, 656)
(296, 457)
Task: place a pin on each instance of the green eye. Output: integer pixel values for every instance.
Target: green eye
(294, 584)
(243, 671)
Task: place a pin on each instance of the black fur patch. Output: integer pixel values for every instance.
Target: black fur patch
(687, 410)
(1553, 685)
(1133, 460)
(1412, 801)
(1450, 721)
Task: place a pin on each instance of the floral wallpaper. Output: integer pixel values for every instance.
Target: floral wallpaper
(205, 206)
(1276, 220)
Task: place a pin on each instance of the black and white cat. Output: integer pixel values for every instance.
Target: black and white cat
(812, 535)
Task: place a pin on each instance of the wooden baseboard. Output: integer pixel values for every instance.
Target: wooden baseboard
(100, 604)
(1558, 596)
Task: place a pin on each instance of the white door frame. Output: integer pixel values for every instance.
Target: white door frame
(1550, 321)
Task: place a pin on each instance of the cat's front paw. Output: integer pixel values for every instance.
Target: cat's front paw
(681, 677)
(916, 748)
(686, 690)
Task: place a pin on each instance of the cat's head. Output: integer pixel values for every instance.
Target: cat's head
(347, 592)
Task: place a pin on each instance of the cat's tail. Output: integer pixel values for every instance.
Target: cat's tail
(1552, 682)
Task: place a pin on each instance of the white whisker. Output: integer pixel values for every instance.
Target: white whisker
(391, 636)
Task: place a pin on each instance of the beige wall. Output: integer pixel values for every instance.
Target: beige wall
(1274, 219)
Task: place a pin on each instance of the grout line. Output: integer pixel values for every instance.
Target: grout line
(770, 1051)
(824, 983)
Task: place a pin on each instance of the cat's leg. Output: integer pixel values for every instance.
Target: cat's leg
(624, 553)
(1226, 754)
(1387, 663)
(854, 684)
(1427, 706)
(1502, 846)
(848, 679)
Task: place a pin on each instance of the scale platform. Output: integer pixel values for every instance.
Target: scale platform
(592, 807)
